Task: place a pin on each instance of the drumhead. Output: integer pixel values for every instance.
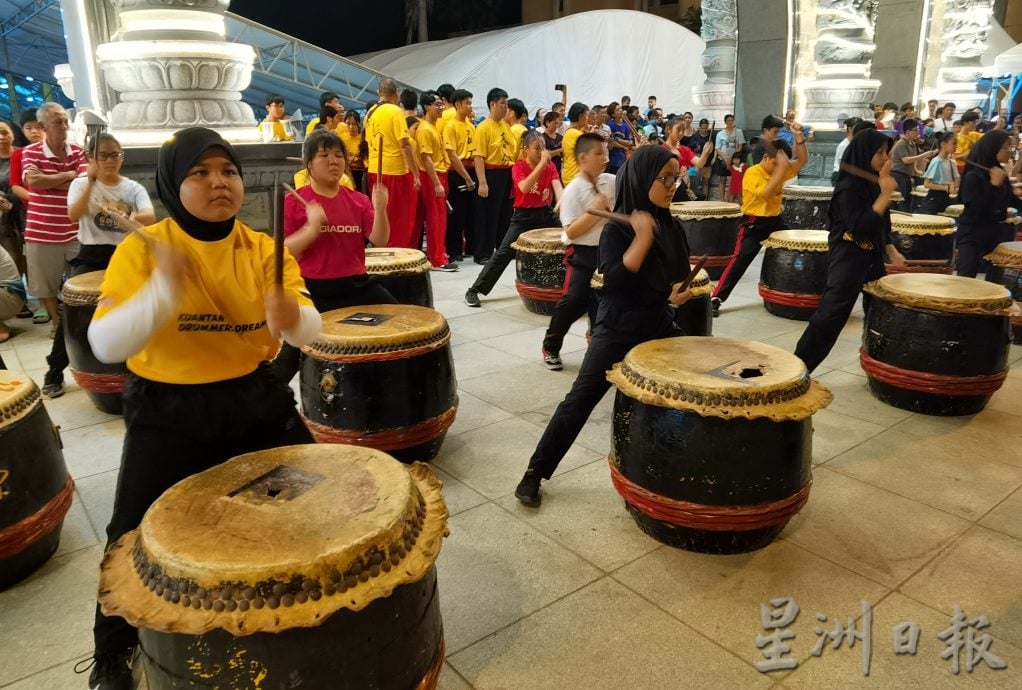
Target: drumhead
(798, 240)
(807, 192)
(1006, 255)
(953, 211)
(700, 286)
(386, 261)
(543, 241)
(922, 224)
(953, 294)
(720, 377)
(276, 539)
(19, 396)
(698, 210)
(378, 328)
(83, 289)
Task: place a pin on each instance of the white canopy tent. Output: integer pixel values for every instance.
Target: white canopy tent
(599, 55)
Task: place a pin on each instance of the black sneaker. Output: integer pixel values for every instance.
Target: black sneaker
(527, 491)
(53, 383)
(553, 361)
(450, 267)
(715, 306)
(472, 298)
(110, 671)
(25, 313)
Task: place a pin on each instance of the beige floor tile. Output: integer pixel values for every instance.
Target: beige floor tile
(1015, 354)
(487, 324)
(980, 573)
(74, 410)
(474, 413)
(48, 618)
(842, 668)
(582, 511)
(1005, 518)
(596, 434)
(77, 532)
(97, 497)
(457, 495)
(492, 459)
(625, 642)
(522, 388)
(834, 433)
(454, 306)
(853, 398)
(941, 473)
(59, 677)
(868, 530)
(720, 596)
(93, 449)
(32, 353)
(450, 680)
(472, 359)
(1008, 398)
(529, 344)
(996, 434)
(752, 322)
(494, 570)
(11, 359)
(517, 309)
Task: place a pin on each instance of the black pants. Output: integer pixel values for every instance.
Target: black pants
(609, 346)
(848, 269)
(579, 298)
(523, 220)
(751, 234)
(905, 187)
(328, 295)
(175, 431)
(91, 257)
(935, 201)
(461, 221)
(493, 213)
(975, 242)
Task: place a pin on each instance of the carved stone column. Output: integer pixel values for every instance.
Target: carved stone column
(839, 86)
(173, 69)
(963, 41)
(716, 96)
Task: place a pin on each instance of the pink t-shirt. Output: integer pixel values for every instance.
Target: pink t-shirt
(339, 251)
(542, 194)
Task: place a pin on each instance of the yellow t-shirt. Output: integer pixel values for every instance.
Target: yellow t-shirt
(449, 113)
(966, 140)
(388, 121)
(302, 179)
(460, 137)
(431, 145)
(755, 180)
(494, 142)
(218, 331)
(351, 142)
(279, 131)
(518, 131)
(569, 166)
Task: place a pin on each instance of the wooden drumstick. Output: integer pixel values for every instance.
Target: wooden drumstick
(291, 190)
(976, 165)
(700, 262)
(610, 215)
(295, 159)
(278, 238)
(860, 173)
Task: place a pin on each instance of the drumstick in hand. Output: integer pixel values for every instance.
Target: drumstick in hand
(610, 215)
(278, 239)
(700, 262)
(291, 190)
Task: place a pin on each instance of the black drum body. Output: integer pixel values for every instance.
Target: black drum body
(791, 282)
(408, 288)
(35, 490)
(104, 383)
(402, 406)
(913, 343)
(394, 643)
(540, 280)
(805, 213)
(924, 247)
(695, 317)
(714, 238)
(1011, 278)
(710, 461)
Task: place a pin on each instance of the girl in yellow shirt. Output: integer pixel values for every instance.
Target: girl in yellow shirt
(192, 305)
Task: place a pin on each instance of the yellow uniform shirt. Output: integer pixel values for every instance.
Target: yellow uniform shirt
(448, 113)
(494, 142)
(315, 121)
(279, 131)
(569, 166)
(302, 179)
(431, 146)
(218, 330)
(965, 142)
(518, 131)
(388, 121)
(351, 142)
(753, 204)
(460, 137)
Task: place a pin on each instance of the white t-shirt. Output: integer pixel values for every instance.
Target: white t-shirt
(942, 125)
(839, 153)
(728, 142)
(96, 226)
(579, 196)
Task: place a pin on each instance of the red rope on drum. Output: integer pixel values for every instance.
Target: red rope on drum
(717, 261)
(538, 293)
(389, 439)
(17, 537)
(789, 299)
(707, 517)
(925, 382)
(99, 383)
(431, 680)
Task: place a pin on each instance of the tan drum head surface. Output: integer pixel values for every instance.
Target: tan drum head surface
(799, 240)
(383, 260)
(276, 539)
(952, 294)
(807, 192)
(1006, 255)
(695, 210)
(543, 241)
(378, 328)
(18, 396)
(701, 285)
(83, 289)
(720, 377)
(954, 210)
(922, 224)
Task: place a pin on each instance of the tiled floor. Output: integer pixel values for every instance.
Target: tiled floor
(914, 515)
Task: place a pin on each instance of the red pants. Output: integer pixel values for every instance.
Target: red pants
(433, 213)
(400, 207)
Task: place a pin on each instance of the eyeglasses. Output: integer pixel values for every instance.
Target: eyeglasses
(110, 156)
(669, 181)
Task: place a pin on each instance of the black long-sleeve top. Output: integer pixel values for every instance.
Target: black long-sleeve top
(985, 204)
(852, 219)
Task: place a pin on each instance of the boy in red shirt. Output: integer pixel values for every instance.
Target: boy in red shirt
(537, 187)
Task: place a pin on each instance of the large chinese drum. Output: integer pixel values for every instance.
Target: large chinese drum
(539, 265)
(927, 243)
(794, 273)
(1007, 270)
(805, 207)
(403, 272)
(104, 383)
(711, 228)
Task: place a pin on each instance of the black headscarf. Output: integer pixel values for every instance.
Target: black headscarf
(860, 154)
(852, 194)
(984, 152)
(177, 155)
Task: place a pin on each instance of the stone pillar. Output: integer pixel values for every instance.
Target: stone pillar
(715, 98)
(760, 79)
(173, 69)
(896, 61)
(839, 84)
(958, 30)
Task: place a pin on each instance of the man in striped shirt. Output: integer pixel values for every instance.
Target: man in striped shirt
(51, 238)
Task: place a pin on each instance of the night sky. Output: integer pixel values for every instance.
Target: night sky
(348, 27)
